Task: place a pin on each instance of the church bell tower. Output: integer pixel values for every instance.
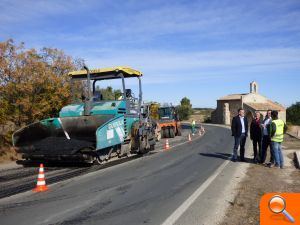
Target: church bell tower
(253, 87)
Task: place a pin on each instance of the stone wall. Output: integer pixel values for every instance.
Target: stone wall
(282, 115)
(294, 130)
(249, 113)
(254, 98)
(226, 114)
(234, 106)
(220, 117)
(217, 114)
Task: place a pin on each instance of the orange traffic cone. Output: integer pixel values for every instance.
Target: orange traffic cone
(41, 183)
(190, 139)
(167, 146)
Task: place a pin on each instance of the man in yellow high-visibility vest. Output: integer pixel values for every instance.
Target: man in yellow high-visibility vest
(277, 130)
(193, 127)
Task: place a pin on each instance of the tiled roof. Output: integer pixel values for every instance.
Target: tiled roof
(265, 106)
(232, 97)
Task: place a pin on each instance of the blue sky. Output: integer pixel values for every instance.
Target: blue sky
(199, 49)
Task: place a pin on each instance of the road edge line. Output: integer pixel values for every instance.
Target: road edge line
(188, 202)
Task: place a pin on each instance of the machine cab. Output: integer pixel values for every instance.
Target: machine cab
(90, 99)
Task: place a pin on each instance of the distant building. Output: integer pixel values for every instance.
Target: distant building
(228, 106)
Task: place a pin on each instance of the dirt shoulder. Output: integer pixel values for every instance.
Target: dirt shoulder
(260, 180)
(294, 130)
(8, 154)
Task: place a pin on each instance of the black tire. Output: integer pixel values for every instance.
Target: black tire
(97, 161)
(179, 131)
(142, 147)
(165, 133)
(172, 132)
(152, 147)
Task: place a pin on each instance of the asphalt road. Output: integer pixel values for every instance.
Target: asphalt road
(15, 178)
(142, 191)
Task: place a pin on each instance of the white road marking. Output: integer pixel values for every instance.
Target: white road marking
(187, 203)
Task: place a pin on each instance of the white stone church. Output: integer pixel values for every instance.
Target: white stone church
(228, 106)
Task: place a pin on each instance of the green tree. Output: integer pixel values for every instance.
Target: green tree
(293, 114)
(109, 93)
(117, 93)
(185, 109)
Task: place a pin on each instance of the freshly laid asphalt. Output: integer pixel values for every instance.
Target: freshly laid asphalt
(143, 191)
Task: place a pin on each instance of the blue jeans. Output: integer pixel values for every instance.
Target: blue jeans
(276, 146)
(239, 141)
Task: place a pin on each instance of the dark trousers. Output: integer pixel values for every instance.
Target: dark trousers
(256, 142)
(239, 141)
(266, 142)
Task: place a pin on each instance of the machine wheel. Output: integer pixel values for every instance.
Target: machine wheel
(165, 133)
(172, 132)
(97, 161)
(162, 133)
(152, 147)
(143, 146)
(178, 131)
(89, 155)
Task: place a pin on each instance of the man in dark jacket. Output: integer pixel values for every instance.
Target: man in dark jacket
(239, 129)
(266, 140)
(256, 136)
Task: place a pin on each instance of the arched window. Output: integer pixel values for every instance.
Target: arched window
(253, 87)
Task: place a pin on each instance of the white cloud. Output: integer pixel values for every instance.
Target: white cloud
(124, 33)
(163, 66)
(199, 19)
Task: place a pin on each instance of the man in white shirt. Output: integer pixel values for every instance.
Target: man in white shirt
(239, 128)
